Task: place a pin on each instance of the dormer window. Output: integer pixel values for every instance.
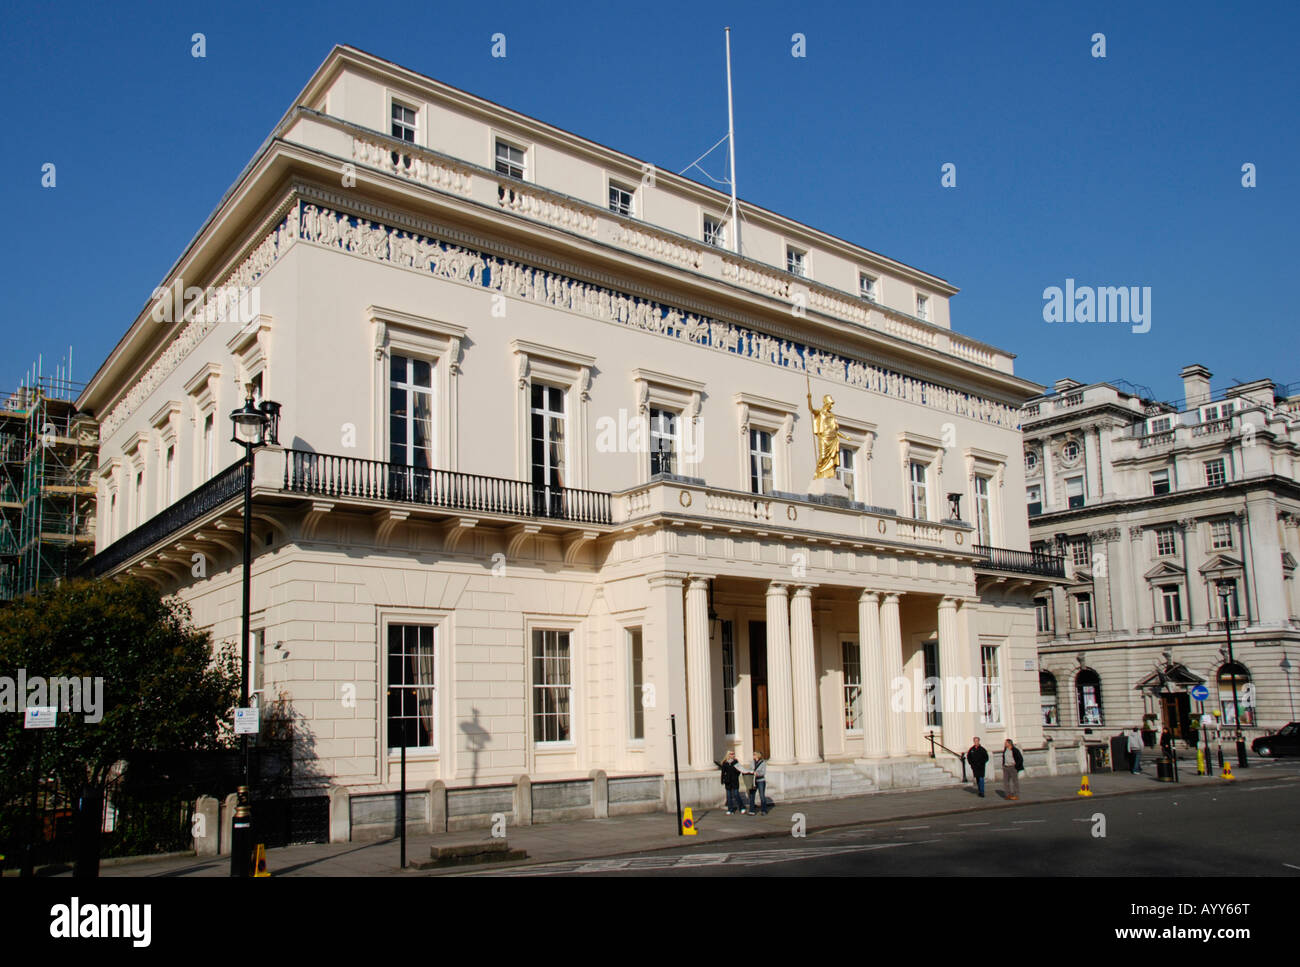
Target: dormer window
(796, 262)
(866, 287)
(403, 128)
(620, 199)
(923, 307)
(715, 233)
(510, 160)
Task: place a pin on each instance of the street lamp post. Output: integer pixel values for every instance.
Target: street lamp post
(1225, 590)
(255, 425)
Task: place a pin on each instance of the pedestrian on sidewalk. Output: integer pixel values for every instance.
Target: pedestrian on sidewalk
(760, 784)
(731, 782)
(747, 782)
(1134, 750)
(1013, 763)
(978, 757)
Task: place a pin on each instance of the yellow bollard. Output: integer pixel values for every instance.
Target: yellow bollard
(1084, 788)
(1227, 771)
(688, 823)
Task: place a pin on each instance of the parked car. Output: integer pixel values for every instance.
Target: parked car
(1286, 741)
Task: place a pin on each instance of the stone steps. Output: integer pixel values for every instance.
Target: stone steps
(847, 781)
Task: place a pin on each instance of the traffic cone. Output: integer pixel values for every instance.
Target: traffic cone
(688, 823)
(1227, 771)
(259, 863)
(1084, 788)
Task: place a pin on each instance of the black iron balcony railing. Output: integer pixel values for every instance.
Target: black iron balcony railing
(1021, 562)
(328, 475)
(226, 486)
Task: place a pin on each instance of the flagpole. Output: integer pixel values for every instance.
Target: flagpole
(731, 147)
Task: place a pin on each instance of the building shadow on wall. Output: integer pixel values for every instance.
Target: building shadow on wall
(477, 738)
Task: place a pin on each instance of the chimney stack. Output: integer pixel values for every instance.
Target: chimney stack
(1196, 385)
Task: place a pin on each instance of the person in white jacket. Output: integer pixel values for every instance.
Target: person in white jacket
(1135, 750)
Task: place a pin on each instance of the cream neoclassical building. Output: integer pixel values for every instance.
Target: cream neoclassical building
(544, 473)
(1158, 507)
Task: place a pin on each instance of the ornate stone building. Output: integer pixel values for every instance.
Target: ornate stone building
(1161, 509)
(544, 470)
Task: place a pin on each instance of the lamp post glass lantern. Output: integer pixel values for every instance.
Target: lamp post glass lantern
(254, 426)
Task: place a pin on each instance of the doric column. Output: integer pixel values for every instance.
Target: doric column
(891, 648)
(803, 676)
(699, 692)
(954, 700)
(780, 689)
(875, 694)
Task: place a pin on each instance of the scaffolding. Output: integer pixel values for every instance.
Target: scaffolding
(48, 452)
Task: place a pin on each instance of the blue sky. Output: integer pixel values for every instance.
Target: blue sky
(1117, 171)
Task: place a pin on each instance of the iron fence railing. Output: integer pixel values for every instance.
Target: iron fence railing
(1021, 562)
(225, 486)
(329, 475)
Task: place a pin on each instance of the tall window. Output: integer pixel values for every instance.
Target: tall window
(760, 461)
(549, 445)
(1171, 603)
(663, 441)
(1215, 474)
(257, 661)
(1080, 552)
(110, 525)
(636, 681)
(1159, 482)
(923, 307)
(796, 262)
(169, 476)
(510, 160)
(990, 686)
(1221, 534)
(552, 686)
(1088, 686)
(1034, 499)
(1043, 614)
(410, 412)
(1166, 542)
(403, 123)
(1047, 698)
(1074, 492)
(852, 661)
(715, 233)
(847, 470)
(983, 512)
(1083, 611)
(866, 287)
(728, 679)
(412, 688)
(139, 499)
(933, 685)
(918, 474)
(209, 445)
(620, 199)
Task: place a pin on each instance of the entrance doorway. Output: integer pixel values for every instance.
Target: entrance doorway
(758, 685)
(1176, 713)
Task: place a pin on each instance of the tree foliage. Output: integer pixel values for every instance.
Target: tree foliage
(165, 688)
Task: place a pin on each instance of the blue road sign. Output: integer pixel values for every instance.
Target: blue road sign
(1200, 693)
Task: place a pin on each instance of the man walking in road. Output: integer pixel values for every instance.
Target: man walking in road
(1134, 750)
(1013, 763)
(978, 757)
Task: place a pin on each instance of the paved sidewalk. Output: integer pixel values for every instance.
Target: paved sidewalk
(587, 839)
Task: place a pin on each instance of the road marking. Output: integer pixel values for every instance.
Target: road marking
(972, 824)
(913, 827)
(1021, 822)
(1292, 866)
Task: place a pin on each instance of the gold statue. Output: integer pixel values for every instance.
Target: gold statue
(826, 436)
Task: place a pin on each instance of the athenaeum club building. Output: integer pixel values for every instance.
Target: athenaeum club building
(545, 465)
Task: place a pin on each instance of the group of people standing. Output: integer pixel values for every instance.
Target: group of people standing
(1013, 763)
(1135, 748)
(752, 777)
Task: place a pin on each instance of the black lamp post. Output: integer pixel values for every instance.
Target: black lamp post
(1225, 590)
(254, 426)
